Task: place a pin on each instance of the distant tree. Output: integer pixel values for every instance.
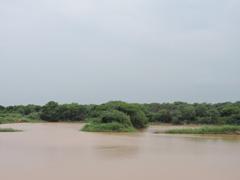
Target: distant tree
(201, 110)
(74, 112)
(162, 116)
(177, 117)
(230, 110)
(2, 108)
(188, 114)
(50, 111)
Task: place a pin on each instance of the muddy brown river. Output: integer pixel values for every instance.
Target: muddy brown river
(59, 151)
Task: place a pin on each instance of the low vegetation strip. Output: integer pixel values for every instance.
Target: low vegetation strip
(226, 129)
(14, 117)
(107, 127)
(122, 116)
(9, 130)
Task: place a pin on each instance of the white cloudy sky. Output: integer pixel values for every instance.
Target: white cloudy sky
(92, 51)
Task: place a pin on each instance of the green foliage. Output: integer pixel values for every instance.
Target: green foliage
(162, 116)
(33, 116)
(9, 130)
(139, 119)
(72, 112)
(15, 118)
(177, 117)
(107, 127)
(116, 116)
(139, 114)
(24, 110)
(227, 129)
(52, 111)
(184, 113)
(134, 111)
(110, 121)
(2, 108)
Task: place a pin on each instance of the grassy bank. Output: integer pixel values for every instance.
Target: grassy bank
(16, 118)
(107, 127)
(225, 129)
(9, 130)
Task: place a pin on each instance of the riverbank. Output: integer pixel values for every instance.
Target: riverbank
(7, 118)
(9, 130)
(221, 129)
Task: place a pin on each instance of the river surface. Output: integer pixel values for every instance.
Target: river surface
(59, 151)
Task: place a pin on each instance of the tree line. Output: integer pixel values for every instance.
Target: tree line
(138, 114)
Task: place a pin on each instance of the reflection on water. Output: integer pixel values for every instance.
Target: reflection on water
(114, 151)
(60, 151)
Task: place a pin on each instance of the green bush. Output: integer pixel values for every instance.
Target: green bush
(50, 112)
(53, 111)
(177, 117)
(109, 121)
(134, 111)
(15, 118)
(137, 116)
(33, 116)
(139, 119)
(161, 116)
(226, 129)
(116, 116)
(107, 127)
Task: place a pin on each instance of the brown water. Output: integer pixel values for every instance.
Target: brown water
(60, 152)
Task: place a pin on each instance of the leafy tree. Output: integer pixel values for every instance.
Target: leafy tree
(188, 114)
(50, 111)
(116, 116)
(162, 116)
(2, 108)
(177, 117)
(73, 112)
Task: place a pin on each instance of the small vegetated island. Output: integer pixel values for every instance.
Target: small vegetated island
(9, 130)
(118, 116)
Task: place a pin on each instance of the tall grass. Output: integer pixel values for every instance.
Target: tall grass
(107, 127)
(225, 129)
(9, 130)
(16, 118)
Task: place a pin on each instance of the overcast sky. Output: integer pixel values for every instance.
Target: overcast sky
(93, 51)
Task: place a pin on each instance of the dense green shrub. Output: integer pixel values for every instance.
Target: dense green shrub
(138, 119)
(73, 112)
(34, 116)
(15, 118)
(52, 111)
(107, 127)
(137, 116)
(2, 108)
(177, 117)
(163, 116)
(109, 121)
(116, 116)
(184, 113)
(134, 111)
